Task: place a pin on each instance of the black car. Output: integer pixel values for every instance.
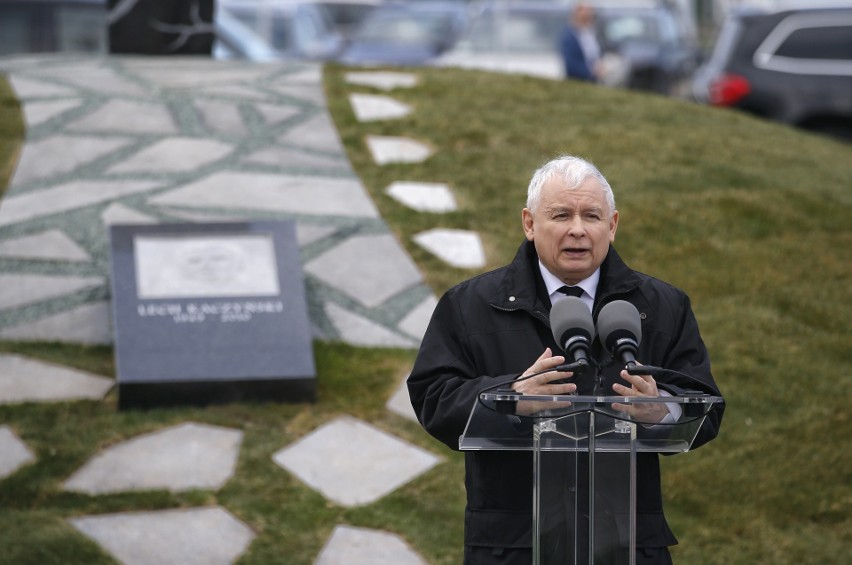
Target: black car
(792, 66)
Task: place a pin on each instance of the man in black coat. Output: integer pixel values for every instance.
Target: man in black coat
(495, 328)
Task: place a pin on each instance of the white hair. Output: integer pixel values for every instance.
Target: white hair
(573, 171)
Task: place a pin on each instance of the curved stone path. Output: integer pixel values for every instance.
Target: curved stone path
(131, 140)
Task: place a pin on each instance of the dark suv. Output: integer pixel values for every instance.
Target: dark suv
(793, 66)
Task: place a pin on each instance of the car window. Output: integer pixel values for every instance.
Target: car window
(514, 32)
(406, 28)
(829, 42)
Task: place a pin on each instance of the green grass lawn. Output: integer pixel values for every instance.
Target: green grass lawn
(750, 218)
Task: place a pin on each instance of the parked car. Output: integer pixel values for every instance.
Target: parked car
(408, 33)
(262, 30)
(521, 38)
(644, 44)
(347, 15)
(792, 65)
(658, 49)
(38, 26)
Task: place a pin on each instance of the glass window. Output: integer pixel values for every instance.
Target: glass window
(834, 43)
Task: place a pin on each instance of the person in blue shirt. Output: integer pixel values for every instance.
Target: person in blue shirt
(579, 46)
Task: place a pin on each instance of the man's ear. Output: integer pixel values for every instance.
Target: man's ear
(613, 226)
(527, 219)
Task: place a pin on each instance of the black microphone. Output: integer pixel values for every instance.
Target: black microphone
(574, 330)
(620, 328)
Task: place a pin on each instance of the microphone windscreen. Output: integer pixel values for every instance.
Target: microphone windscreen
(569, 317)
(619, 319)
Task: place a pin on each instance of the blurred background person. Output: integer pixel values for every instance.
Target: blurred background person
(579, 45)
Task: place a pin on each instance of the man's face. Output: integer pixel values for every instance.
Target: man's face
(571, 228)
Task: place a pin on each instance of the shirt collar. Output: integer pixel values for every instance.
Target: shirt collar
(553, 284)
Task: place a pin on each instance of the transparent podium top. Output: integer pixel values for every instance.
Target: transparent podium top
(509, 421)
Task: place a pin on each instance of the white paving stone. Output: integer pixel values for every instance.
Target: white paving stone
(37, 112)
(316, 133)
(305, 92)
(416, 321)
(458, 248)
(50, 245)
(28, 88)
(360, 546)
(174, 155)
(14, 453)
(382, 80)
(18, 290)
(92, 75)
(222, 117)
(27, 380)
(389, 149)
(347, 461)
(357, 330)
(310, 233)
(274, 114)
(61, 154)
(89, 323)
(189, 536)
(235, 91)
(423, 196)
(400, 403)
(368, 268)
(198, 75)
(65, 197)
(116, 214)
(286, 157)
(184, 457)
(371, 107)
(271, 192)
(127, 116)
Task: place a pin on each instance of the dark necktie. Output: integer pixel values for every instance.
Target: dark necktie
(571, 290)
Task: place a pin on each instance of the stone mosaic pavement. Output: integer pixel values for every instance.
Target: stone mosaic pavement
(132, 140)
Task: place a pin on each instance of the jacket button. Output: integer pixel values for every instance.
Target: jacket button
(643, 315)
(511, 299)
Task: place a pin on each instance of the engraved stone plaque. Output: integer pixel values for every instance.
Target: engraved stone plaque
(207, 313)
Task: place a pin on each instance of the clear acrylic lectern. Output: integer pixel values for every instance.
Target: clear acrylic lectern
(585, 450)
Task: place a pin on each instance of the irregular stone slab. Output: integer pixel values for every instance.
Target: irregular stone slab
(184, 457)
(416, 321)
(382, 80)
(368, 268)
(400, 403)
(50, 245)
(197, 74)
(92, 75)
(61, 154)
(40, 111)
(27, 88)
(305, 92)
(310, 233)
(235, 91)
(360, 546)
(222, 117)
(269, 192)
(191, 536)
(27, 380)
(346, 460)
(370, 107)
(357, 330)
(459, 248)
(65, 197)
(89, 323)
(388, 149)
(309, 74)
(116, 214)
(286, 157)
(274, 114)
(14, 453)
(19, 290)
(423, 196)
(316, 133)
(174, 155)
(127, 116)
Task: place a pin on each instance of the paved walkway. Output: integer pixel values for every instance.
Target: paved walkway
(131, 140)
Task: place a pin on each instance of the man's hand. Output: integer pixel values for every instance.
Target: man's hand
(541, 384)
(641, 385)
